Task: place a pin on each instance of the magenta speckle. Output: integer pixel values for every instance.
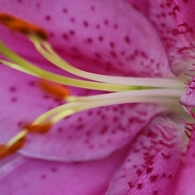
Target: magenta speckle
(153, 178)
(43, 177)
(65, 10)
(12, 89)
(14, 99)
(53, 169)
(112, 44)
(116, 26)
(92, 8)
(104, 130)
(72, 32)
(106, 22)
(127, 39)
(100, 38)
(89, 40)
(48, 17)
(72, 20)
(86, 24)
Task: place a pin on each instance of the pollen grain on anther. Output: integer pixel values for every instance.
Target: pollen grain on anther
(40, 128)
(21, 26)
(6, 150)
(3, 151)
(55, 90)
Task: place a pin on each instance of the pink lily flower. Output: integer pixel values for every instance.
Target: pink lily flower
(115, 130)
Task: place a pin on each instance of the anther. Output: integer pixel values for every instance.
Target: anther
(41, 128)
(6, 150)
(21, 26)
(55, 90)
(3, 151)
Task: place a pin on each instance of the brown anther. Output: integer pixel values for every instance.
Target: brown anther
(16, 146)
(21, 26)
(41, 128)
(55, 90)
(5, 150)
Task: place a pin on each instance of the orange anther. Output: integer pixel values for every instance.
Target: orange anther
(5, 150)
(42, 128)
(17, 145)
(21, 26)
(55, 90)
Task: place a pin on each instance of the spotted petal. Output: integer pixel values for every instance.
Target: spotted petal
(100, 36)
(185, 181)
(38, 177)
(187, 98)
(164, 16)
(185, 18)
(86, 135)
(72, 24)
(141, 6)
(153, 160)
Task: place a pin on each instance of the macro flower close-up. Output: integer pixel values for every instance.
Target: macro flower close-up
(97, 97)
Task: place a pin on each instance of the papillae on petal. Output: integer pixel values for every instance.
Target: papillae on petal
(184, 11)
(184, 184)
(188, 97)
(153, 160)
(164, 16)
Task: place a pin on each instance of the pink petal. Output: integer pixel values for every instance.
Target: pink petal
(141, 5)
(99, 138)
(163, 15)
(110, 33)
(186, 178)
(187, 98)
(185, 18)
(87, 135)
(152, 162)
(39, 177)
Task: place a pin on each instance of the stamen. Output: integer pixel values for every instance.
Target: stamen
(126, 90)
(54, 58)
(21, 26)
(6, 150)
(17, 145)
(41, 125)
(41, 128)
(135, 93)
(15, 66)
(55, 90)
(3, 151)
(29, 67)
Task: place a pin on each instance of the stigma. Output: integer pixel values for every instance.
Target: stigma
(120, 90)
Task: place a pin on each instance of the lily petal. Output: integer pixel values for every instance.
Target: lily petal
(141, 6)
(164, 16)
(154, 158)
(39, 177)
(130, 23)
(87, 135)
(111, 33)
(185, 18)
(187, 98)
(185, 180)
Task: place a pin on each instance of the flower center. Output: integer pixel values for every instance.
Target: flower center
(121, 89)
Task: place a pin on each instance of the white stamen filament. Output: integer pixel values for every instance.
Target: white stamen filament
(29, 67)
(53, 57)
(125, 90)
